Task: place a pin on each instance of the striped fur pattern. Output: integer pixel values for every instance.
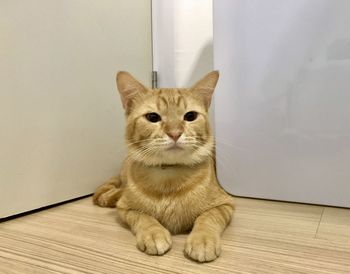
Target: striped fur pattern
(167, 184)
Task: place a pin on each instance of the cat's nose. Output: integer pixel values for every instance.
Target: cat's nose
(175, 135)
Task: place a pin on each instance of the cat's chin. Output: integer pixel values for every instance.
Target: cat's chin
(175, 149)
(179, 154)
(175, 156)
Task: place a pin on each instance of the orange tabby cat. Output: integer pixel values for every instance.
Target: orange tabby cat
(167, 183)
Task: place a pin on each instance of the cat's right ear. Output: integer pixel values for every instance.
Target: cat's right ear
(128, 88)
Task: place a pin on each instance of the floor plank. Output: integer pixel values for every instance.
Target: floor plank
(335, 225)
(264, 237)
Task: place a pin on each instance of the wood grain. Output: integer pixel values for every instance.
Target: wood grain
(264, 237)
(335, 225)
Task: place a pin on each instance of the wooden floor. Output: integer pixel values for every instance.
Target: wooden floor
(264, 237)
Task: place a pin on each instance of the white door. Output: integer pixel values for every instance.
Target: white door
(283, 99)
(61, 122)
(182, 41)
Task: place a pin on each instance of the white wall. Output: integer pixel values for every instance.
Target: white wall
(282, 103)
(182, 41)
(61, 121)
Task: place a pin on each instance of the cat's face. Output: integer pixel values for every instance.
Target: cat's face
(167, 126)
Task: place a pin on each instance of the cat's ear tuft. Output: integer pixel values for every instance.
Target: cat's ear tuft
(128, 88)
(205, 87)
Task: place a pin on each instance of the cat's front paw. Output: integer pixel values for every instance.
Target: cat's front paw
(202, 246)
(156, 240)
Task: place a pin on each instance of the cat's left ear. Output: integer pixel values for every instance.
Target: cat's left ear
(205, 87)
(128, 88)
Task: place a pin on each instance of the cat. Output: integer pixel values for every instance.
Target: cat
(167, 184)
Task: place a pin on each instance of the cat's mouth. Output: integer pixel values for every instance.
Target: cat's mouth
(175, 147)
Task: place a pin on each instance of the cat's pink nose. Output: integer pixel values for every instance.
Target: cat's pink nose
(175, 135)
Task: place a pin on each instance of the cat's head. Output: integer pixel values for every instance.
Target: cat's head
(168, 126)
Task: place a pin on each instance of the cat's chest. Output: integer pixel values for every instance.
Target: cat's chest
(175, 197)
(175, 212)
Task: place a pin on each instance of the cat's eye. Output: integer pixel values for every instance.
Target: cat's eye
(153, 117)
(190, 116)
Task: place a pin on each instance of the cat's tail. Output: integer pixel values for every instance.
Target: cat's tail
(107, 194)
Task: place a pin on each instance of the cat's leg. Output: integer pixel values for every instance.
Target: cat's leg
(203, 243)
(107, 194)
(152, 238)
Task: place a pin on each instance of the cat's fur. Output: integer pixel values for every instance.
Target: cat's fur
(168, 183)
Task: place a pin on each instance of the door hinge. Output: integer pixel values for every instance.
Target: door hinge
(154, 79)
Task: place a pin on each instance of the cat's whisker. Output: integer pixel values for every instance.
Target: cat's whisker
(219, 142)
(149, 140)
(147, 149)
(208, 152)
(139, 141)
(146, 153)
(141, 152)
